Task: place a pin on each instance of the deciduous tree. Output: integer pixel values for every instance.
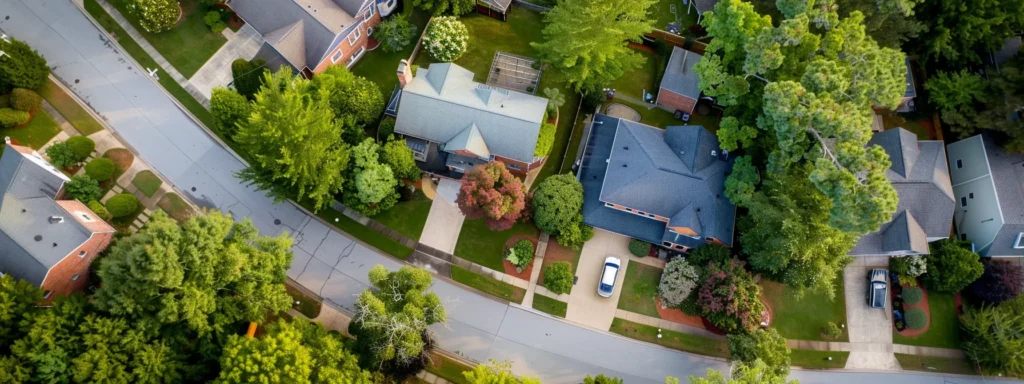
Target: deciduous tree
(959, 96)
(350, 95)
(277, 357)
(447, 38)
(399, 157)
(601, 379)
(766, 345)
(891, 22)
(395, 33)
(155, 16)
(229, 108)
(677, 282)
(958, 33)
(1001, 281)
(497, 373)
(729, 297)
(22, 67)
(951, 266)
(744, 373)
(248, 76)
(491, 192)
(993, 337)
(18, 305)
(374, 188)
(445, 7)
(83, 188)
(557, 203)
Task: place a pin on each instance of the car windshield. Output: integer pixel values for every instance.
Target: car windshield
(608, 278)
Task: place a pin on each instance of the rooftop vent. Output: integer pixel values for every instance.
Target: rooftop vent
(626, 147)
(714, 153)
(623, 165)
(38, 238)
(55, 245)
(56, 219)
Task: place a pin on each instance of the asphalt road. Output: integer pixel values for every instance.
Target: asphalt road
(327, 261)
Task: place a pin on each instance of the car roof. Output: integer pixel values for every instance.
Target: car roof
(613, 260)
(608, 277)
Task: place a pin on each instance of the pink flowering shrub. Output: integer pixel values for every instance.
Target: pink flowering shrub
(490, 191)
(729, 297)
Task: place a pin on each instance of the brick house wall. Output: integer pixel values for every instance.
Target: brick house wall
(348, 48)
(524, 167)
(674, 100)
(61, 280)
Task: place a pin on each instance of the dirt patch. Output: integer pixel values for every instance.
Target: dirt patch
(923, 304)
(677, 316)
(122, 158)
(555, 253)
(511, 269)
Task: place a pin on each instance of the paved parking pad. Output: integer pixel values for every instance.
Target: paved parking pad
(585, 305)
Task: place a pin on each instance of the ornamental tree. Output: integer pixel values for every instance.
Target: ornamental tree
(248, 76)
(374, 190)
(22, 67)
(445, 7)
(491, 192)
(350, 95)
(229, 108)
(155, 16)
(678, 281)
(447, 38)
(399, 157)
(558, 277)
(395, 33)
(763, 344)
(83, 188)
(277, 357)
(588, 40)
(729, 297)
(496, 373)
(555, 100)
(601, 379)
(1001, 281)
(951, 266)
(557, 204)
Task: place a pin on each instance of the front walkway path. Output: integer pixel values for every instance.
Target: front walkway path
(538, 264)
(243, 44)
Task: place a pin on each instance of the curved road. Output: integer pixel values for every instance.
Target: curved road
(328, 261)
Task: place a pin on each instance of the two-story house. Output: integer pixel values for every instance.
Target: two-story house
(988, 185)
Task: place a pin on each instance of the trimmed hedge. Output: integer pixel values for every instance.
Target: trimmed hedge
(916, 318)
(13, 117)
(99, 210)
(101, 169)
(82, 146)
(122, 205)
(558, 277)
(639, 248)
(25, 100)
(912, 295)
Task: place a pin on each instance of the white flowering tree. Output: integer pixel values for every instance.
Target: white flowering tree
(677, 282)
(447, 38)
(155, 15)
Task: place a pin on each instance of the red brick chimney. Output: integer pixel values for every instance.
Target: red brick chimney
(404, 73)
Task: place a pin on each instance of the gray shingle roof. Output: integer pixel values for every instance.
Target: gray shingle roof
(990, 181)
(441, 101)
(30, 244)
(921, 179)
(500, 5)
(644, 169)
(911, 90)
(679, 74)
(469, 140)
(704, 5)
(1010, 49)
(274, 17)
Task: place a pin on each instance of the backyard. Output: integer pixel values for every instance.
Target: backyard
(635, 82)
(191, 31)
(803, 318)
(379, 66)
(944, 328)
(481, 245)
(640, 289)
(662, 15)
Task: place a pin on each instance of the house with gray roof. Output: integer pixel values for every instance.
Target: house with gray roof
(701, 6)
(678, 89)
(989, 196)
(45, 239)
(309, 35)
(453, 123)
(921, 179)
(497, 9)
(663, 186)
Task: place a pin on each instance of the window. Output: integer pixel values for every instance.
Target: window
(373, 9)
(514, 166)
(1019, 244)
(47, 294)
(963, 201)
(971, 195)
(75, 277)
(82, 253)
(608, 205)
(355, 35)
(355, 56)
(963, 236)
(84, 216)
(337, 56)
(959, 163)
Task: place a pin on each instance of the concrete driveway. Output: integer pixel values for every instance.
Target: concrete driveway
(870, 328)
(444, 222)
(585, 305)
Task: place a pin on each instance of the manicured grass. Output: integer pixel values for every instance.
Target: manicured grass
(818, 359)
(37, 133)
(379, 66)
(448, 369)
(135, 51)
(147, 182)
(662, 15)
(671, 339)
(481, 245)
(657, 117)
(803, 318)
(189, 44)
(487, 36)
(362, 232)
(175, 207)
(488, 285)
(550, 306)
(639, 289)
(407, 217)
(944, 330)
(122, 158)
(935, 364)
(635, 82)
(308, 306)
(74, 113)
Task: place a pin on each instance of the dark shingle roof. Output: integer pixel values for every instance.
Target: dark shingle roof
(679, 74)
(911, 90)
(704, 5)
(284, 23)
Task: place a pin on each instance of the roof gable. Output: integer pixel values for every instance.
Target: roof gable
(469, 140)
(904, 236)
(679, 74)
(274, 17)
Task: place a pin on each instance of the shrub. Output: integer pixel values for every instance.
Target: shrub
(832, 331)
(992, 335)
(951, 266)
(386, 128)
(25, 100)
(912, 295)
(916, 318)
(575, 236)
(83, 188)
(101, 169)
(122, 205)
(247, 76)
(61, 155)
(729, 297)
(700, 257)
(557, 203)
(395, 33)
(99, 210)
(155, 16)
(228, 109)
(1001, 281)
(22, 67)
(558, 277)
(81, 146)
(677, 282)
(763, 344)
(545, 140)
(446, 39)
(912, 266)
(212, 19)
(521, 254)
(12, 117)
(639, 248)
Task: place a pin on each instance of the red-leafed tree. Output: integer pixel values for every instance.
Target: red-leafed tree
(1001, 281)
(490, 191)
(729, 297)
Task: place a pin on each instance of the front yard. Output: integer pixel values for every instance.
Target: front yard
(481, 245)
(640, 289)
(818, 359)
(488, 285)
(803, 318)
(935, 364)
(73, 112)
(37, 133)
(189, 44)
(944, 328)
(671, 339)
(407, 217)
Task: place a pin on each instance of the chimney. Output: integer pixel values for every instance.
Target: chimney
(404, 73)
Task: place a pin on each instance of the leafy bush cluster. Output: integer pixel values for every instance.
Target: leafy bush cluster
(545, 140)
(951, 266)
(81, 146)
(155, 16)
(99, 210)
(763, 344)
(228, 108)
(491, 192)
(445, 7)
(916, 318)
(911, 266)
(386, 128)
(832, 331)
(1001, 281)
(395, 33)
(247, 76)
(558, 277)
(677, 282)
(83, 188)
(25, 100)
(12, 117)
(122, 204)
(213, 20)
(520, 254)
(22, 66)
(61, 155)
(912, 295)
(101, 169)
(729, 297)
(557, 210)
(993, 336)
(639, 248)
(447, 38)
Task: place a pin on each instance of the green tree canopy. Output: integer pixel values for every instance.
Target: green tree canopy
(22, 67)
(958, 33)
(491, 192)
(557, 204)
(993, 337)
(278, 357)
(395, 33)
(229, 108)
(350, 95)
(497, 373)
(18, 305)
(445, 7)
(399, 157)
(744, 373)
(951, 266)
(766, 345)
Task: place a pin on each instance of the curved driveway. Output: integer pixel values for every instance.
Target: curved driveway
(328, 261)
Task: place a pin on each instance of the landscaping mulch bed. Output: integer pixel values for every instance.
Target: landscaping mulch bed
(676, 315)
(511, 269)
(123, 158)
(555, 253)
(923, 304)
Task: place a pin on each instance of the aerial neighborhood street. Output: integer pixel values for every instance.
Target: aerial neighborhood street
(506, 191)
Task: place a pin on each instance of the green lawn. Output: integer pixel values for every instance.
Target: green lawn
(803, 318)
(524, 26)
(407, 217)
(308, 306)
(362, 232)
(662, 14)
(481, 245)
(635, 82)
(657, 117)
(37, 133)
(189, 44)
(550, 306)
(132, 48)
(488, 285)
(147, 182)
(935, 364)
(73, 112)
(639, 289)
(818, 359)
(448, 369)
(671, 339)
(379, 66)
(944, 330)
(175, 207)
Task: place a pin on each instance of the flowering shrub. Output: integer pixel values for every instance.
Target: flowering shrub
(490, 191)
(729, 298)
(677, 282)
(155, 15)
(447, 38)
(911, 266)
(521, 254)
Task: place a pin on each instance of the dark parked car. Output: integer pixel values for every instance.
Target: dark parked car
(877, 284)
